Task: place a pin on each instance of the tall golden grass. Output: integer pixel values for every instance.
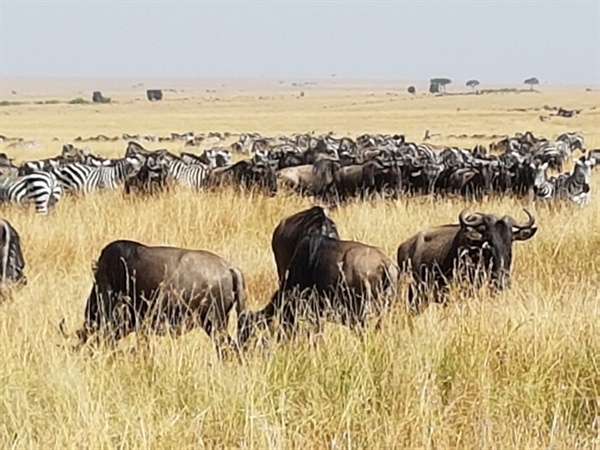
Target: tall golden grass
(517, 370)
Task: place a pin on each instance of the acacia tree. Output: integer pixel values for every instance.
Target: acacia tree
(438, 84)
(472, 84)
(531, 82)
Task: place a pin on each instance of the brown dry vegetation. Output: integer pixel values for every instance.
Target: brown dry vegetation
(518, 370)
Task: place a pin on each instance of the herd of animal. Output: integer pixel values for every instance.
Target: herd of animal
(322, 277)
(329, 168)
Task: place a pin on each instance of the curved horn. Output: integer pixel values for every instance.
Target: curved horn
(471, 221)
(530, 220)
(61, 327)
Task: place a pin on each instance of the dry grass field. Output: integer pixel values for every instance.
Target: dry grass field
(516, 370)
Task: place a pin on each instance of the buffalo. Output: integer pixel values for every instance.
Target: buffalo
(161, 288)
(11, 256)
(290, 231)
(327, 278)
(477, 242)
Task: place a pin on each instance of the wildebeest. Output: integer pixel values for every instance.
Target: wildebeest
(136, 285)
(290, 231)
(248, 174)
(357, 179)
(152, 177)
(479, 242)
(328, 278)
(11, 256)
(314, 179)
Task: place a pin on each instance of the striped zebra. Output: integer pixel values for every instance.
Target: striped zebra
(40, 188)
(188, 175)
(82, 178)
(573, 140)
(544, 188)
(576, 187)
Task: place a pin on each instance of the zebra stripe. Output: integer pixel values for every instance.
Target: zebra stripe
(78, 177)
(576, 187)
(543, 188)
(72, 177)
(41, 188)
(188, 175)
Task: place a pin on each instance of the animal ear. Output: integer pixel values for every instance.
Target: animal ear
(522, 234)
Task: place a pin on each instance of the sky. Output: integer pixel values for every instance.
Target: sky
(557, 42)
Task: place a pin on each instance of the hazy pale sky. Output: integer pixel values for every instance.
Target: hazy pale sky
(557, 42)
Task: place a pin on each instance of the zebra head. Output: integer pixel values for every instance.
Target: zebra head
(540, 177)
(582, 171)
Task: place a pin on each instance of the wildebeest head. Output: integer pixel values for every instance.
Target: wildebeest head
(291, 230)
(485, 236)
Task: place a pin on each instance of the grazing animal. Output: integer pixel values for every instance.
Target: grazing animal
(328, 279)
(11, 256)
(479, 242)
(357, 179)
(248, 174)
(188, 175)
(85, 179)
(312, 179)
(136, 285)
(39, 187)
(151, 178)
(576, 187)
(290, 231)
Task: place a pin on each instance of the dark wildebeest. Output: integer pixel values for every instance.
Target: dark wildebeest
(137, 285)
(11, 256)
(480, 242)
(152, 178)
(248, 174)
(357, 179)
(311, 179)
(290, 231)
(331, 279)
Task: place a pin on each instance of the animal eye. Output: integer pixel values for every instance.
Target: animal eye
(474, 235)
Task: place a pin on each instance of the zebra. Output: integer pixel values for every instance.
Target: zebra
(573, 140)
(555, 153)
(78, 177)
(543, 187)
(187, 175)
(41, 188)
(576, 187)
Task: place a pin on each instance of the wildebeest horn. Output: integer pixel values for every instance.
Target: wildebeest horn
(530, 221)
(471, 221)
(61, 327)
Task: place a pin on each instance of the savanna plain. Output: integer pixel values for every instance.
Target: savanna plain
(515, 370)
